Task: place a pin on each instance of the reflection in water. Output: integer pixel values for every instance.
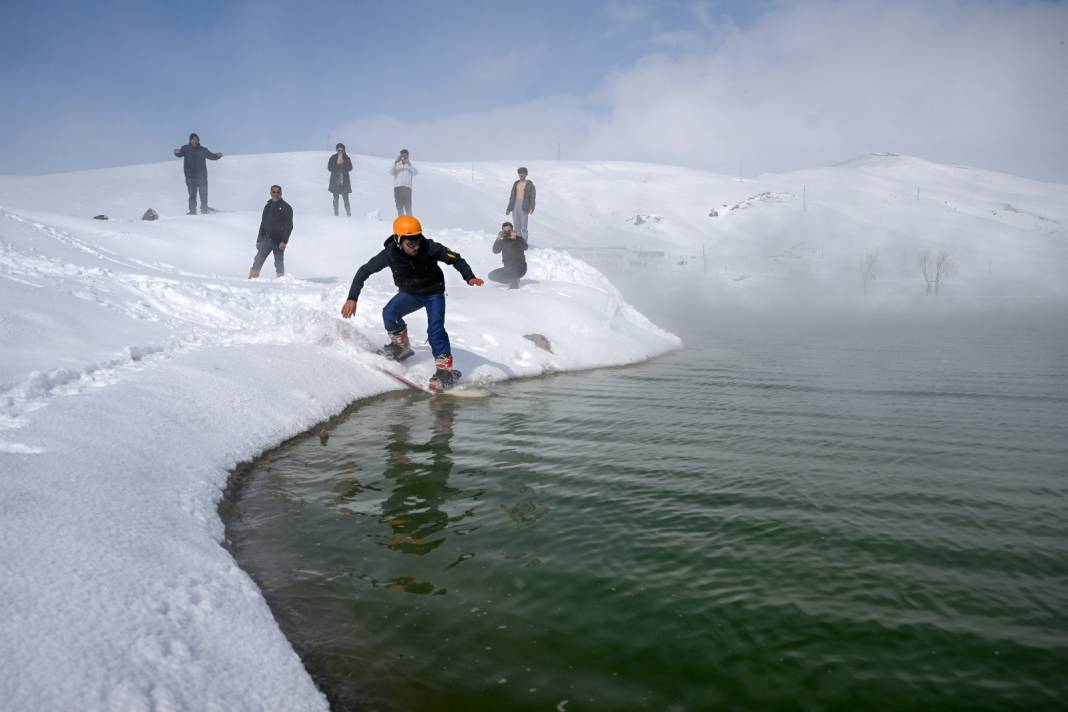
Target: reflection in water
(419, 473)
(420, 476)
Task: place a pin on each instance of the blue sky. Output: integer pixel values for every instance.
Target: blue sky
(780, 85)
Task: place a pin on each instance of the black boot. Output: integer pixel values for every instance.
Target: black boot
(398, 347)
(445, 376)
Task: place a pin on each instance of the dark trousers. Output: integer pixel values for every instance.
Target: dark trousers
(194, 184)
(404, 303)
(508, 275)
(402, 196)
(266, 247)
(348, 211)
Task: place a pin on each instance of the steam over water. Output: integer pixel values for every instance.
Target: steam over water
(864, 513)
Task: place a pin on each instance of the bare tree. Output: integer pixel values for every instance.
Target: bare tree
(867, 268)
(935, 268)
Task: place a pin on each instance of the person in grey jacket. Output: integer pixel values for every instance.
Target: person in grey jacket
(196, 172)
(521, 203)
(276, 225)
(403, 171)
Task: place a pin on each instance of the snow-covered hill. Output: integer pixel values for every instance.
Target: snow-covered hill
(801, 232)
(138, 366)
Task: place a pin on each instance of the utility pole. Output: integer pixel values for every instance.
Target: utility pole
(740, 179)
(558, 150)
(804, 198)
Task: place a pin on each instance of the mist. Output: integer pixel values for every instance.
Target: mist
(806, 85)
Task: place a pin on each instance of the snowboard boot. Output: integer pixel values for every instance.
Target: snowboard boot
(253, 274)
(444, 377)
(398, 347)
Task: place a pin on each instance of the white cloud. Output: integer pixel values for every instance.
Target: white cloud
(805, 84)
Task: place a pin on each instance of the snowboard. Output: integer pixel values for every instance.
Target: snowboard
(457, 389)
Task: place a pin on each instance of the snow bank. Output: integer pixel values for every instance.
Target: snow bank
(137, 368)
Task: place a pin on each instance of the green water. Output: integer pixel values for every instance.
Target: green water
(864, 513)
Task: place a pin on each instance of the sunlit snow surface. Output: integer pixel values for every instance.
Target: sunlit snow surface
(137, 367)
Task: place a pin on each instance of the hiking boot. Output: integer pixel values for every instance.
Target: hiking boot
(398, 347)
(444, 377)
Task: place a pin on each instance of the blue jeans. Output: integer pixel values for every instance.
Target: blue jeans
(266, 247)
(404, 303)
(194, 184)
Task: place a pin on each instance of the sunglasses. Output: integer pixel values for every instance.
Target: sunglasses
(410, 241)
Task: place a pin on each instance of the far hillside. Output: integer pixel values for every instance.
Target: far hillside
(862, 226)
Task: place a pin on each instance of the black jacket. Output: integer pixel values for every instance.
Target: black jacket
(196, 158)
(511, 251)
(339, 175)
(276, 223)
(418, 274)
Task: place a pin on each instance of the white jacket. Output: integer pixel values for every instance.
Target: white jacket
(402, 174)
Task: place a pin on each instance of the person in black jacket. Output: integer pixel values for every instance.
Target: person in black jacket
(340, 165)
(413, 260)
(275, 228)
(196, 171)
(511, 247)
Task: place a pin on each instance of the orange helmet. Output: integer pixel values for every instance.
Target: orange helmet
(406, 226)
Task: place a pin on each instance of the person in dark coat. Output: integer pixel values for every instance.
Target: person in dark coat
(340, 165)
(196, 172)
(521, 203)
(511, 247)
(275, 227)
(413, 260)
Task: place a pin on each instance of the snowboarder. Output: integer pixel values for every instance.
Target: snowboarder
(521, 203)
(275, 228)
(403, 171)
(340, 165)
(510, 247)
(196, 172)
(413, 260)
